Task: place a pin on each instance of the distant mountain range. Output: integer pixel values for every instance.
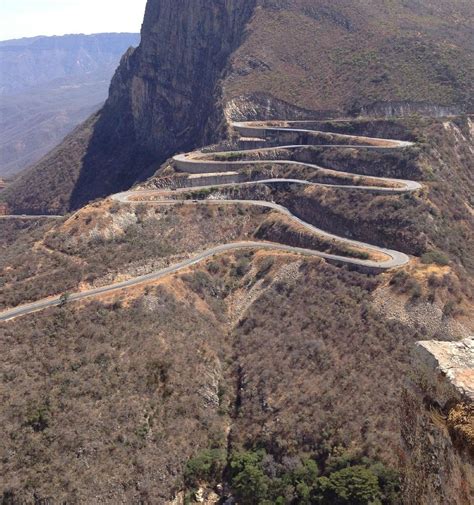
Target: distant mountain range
(48, 85)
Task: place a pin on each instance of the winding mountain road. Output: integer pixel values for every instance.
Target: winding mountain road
(211, 163)
(24, 217)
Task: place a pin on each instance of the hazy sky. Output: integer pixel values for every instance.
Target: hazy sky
(27, 18)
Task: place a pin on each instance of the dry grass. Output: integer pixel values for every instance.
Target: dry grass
(334, 55)
(461, 425)
(105, 405)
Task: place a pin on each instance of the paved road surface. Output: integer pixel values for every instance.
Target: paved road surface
(29, 218)
(208, 164)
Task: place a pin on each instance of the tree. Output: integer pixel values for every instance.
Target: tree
(205, 467)
(355, 485)
(389, 482)
(304, 479)
(249, 483)
(64, 299)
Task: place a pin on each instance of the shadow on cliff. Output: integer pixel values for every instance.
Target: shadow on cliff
(118, 156)
(164, 98)
(114, 160)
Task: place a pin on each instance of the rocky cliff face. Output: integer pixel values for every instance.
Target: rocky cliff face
(164, 97)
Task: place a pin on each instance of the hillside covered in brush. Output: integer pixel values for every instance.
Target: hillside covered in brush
(252, 364)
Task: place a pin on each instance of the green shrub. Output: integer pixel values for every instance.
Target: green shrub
(265, 267)
(249, 483)
(355, 485)
(201, 282)
(213, 267)
(207, 467)
(305, 480)
(415, 291)
(38, 418)
(399, 279)
(142, 431)
(64, 299)
(228, 156)
(436, 257)
(389, 482)
(350, 479)
(450, 308)
(243, 267)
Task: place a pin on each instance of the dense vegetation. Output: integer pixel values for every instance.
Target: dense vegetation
(255, 478)
(247, 353)
(98, 403)
(254, 343)
(112, 392)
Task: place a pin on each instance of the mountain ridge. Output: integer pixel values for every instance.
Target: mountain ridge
(38, 60)
(49, 85)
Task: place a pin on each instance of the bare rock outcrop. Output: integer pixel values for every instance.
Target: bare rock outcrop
(438, 425)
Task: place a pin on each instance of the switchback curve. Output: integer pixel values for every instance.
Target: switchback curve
(199, 162)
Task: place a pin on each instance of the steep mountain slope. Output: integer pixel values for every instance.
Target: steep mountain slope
(261, 59)
(121, 399)
(256, 376)
(49, 85)
(385, 57)
(252, 363)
